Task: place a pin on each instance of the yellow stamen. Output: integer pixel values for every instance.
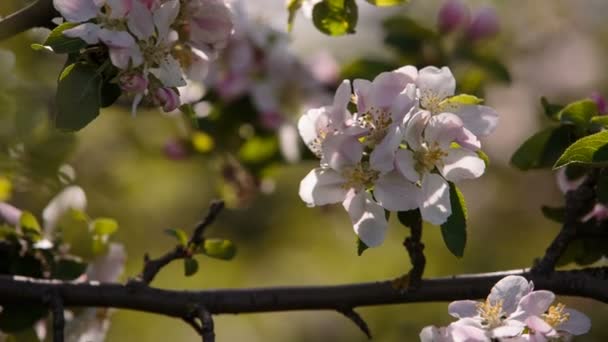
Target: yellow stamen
(491, 314)
(556, 316)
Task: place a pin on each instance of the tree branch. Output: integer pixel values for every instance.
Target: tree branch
(38, 14)
(415, 248)
(56, 304)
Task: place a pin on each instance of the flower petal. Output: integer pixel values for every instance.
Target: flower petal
(539, 325)
(322, 186)
(443, 129)
(140, 21)
(164, 17)
(463, 308)
(480, 120)
(414, 129)
(435, 84)
(341, 100)
(507, 331)
(406, 165)
(76, 10)
(509, 290)
(169, 72)
(386, 87)
(367, 217)
(460, 163)
(362, 90)
(410, 71)
(72, 197)
(395, 193)
(210, 24)
(382, 157)
(88, 32)
(341, 151)
(436, 207)
(312, 125)
(534, 303)
(577, 324)
(404, 103)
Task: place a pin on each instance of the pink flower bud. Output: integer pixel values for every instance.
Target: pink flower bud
(452, 14)
(484, 24)
(602, 105)
(176, 149)
(167, 98)
(133, 83)
(599, 213)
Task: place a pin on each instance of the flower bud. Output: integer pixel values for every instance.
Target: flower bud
(167, 98)
(452, 14)
(484, 24)
(133, 83)
(600, 101)
(176, 149)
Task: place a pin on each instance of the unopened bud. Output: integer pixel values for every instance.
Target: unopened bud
(167, 98)
(176, 149)
(133, 83)
(452, 14)
(600, 101)
(484, 24)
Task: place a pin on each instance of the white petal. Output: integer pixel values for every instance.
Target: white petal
(395, 193)
(463, 308)
(382, 157)
(461, 164)
(88, 32)
(468, 140)
(341, 99)
(116, 39)
(76, 10)
(362, 90)
(481, 120)
(72, 197)
(386, 87)
(169, 72)
(322, 186)
(403, 103)
(119, 8)
(414, 129)
(436, 83)
(288, 142)
(341, 151)
(534, 303)
(211, 25)
(506, 331)
(140, 21)
(164, 18)
(9, 214)
(577, 324)
(463, 331)
(436, 206)
(310, 125)
(108, 267)
(433, 334)
(539, 325)
(404, 159)
(443, 129)
(410, 71)
(509, 290)
(367, 217)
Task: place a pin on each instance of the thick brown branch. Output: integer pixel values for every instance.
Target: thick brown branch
(56, 304)
(38, 14)
(589, 283)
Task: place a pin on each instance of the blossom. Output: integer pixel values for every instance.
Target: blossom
(209, 23)
(484, 24)
(452, 14)
(167, 98)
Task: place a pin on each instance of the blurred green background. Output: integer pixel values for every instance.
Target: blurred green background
(555, 48)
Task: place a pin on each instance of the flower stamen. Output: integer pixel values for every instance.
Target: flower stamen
(556, 316)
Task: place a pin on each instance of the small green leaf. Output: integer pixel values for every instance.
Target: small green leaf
(60, 43)
(6, 188)
(481, 154)
(383, 3)
(551, 110)
(75, 232)
(104, 226)
(600, 120)
(454, 230)
(554, 214)
(409, 218)
(462, 99)
(78, 96)
(179, 234)
(258, 149)
(335, 17)
(578, 113)
(293, 6)
(30, 226)
(190, 267)
(218, 249)
(542, 149)
(591, 150)
(361, 246)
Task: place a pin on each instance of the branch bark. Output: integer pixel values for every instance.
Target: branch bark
(589, 283)
(38, 14)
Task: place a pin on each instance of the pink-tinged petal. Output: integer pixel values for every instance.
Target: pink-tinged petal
(88, 32)
(72, 197)
(386, 87)
(210, 24)
(534, 303)
(565, 184)
(599, 213)
(510, 329)
(480, 120)
(341, 100)
(435, 84)
(289, 142)
(414, 129)
(382, 157)
(362, 90)
(443, 129)
(510, 290)
(434, 334)
(322, 186)
(367, 217)
(406, 165)
(461, 164)
(312, 127)
(164, 17)
(468, 140)
(577, 324)
(410, 71)
(538, 325)
(120, 8)
(467, 330)
(133, 83)
(76, 10)
(169, 72)
(167, 98)
(463, 308)
(116, 39)
(436, 207)
(108, 267)
(140, 21)
(404, 103)
(341, 151)
(395, 193)
(452, 14)
(9, 214)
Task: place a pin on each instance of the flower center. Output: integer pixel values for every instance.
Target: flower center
(377, 121)
(491, 314)
(360, 176)
(556, 316)
(427, 157)
(430, 101)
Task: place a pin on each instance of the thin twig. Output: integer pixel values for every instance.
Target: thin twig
(415, 249)
(208, 330)
(358, 320)
(38, 14)
(56, 304)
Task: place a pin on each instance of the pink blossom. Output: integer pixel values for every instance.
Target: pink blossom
(133, 83)
(484, 24)
(452, 15)
(168, 98)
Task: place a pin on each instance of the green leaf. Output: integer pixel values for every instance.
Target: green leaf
(600, 120)
(78, 96)
(179, 234)
(407, 36)
(383, 3)
(75, 232)
(361, 246)
(60, 43)
(542, 149)
(110, 92)
(554, 214)
(335, 17)
(461, 99)
(481, 154)
(68, 269)
(30, 226)
(409, 218)
(104, 226)
(6, 188)
(190, 267)
(293, 6)
(454, 230)
(591, 150)
(258, 149)
(218, 249)
(579, 113)
(551, 110)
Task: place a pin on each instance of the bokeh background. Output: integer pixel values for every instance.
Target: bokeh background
(554, 48)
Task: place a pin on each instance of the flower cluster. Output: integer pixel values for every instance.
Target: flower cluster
(512, 312)
(153, 43)
(409, 137)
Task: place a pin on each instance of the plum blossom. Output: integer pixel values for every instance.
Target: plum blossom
(512, 312)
